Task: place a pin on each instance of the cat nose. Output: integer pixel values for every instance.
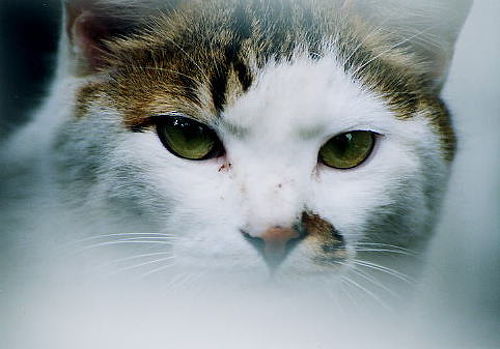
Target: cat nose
(275, 243)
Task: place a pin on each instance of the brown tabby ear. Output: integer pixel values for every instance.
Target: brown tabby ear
(90, 23)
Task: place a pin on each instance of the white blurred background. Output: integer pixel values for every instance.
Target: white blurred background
(466, 256)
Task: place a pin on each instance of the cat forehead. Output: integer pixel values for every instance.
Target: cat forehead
(306, 97)
(204, 67)
(202, 80)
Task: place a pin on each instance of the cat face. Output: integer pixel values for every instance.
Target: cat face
(285, 136)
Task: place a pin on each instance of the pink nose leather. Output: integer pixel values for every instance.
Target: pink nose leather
(275, 242)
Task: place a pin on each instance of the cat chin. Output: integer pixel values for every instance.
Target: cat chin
(294, 270)
(231, 280)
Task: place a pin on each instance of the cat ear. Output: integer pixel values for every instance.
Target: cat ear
(428, 28)
(88, 24)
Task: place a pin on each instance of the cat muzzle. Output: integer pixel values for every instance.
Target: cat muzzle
(275, 244)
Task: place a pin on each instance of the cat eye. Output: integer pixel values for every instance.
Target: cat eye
(188, 139)
(347, 150)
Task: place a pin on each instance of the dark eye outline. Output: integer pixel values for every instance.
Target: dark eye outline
(217, 150)
(374, 137)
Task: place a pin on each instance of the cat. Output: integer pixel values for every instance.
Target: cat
(291, 138)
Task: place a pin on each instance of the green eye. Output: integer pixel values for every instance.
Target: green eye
(347, 150)
(189, 139)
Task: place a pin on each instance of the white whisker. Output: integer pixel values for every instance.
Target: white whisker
(383, 269)
(130, 258)
(144, 264)
(126, 242)
(346, 288)
(156, 270)
(384, 251)
(368, 292)
(97, 237)
(374, 281)
(378, 244)
(116, 261)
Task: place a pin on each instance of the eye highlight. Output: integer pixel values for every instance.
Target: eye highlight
(347, 150)
(188, 139)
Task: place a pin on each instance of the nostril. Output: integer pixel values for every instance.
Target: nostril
(255, 241)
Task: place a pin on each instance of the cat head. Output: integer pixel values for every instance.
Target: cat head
(291, 135)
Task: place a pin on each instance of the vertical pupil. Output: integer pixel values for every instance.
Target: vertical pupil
(342, 142)
(190, 131)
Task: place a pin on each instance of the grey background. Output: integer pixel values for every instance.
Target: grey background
(467, 247)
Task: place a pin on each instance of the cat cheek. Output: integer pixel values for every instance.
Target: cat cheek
(326, 244)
